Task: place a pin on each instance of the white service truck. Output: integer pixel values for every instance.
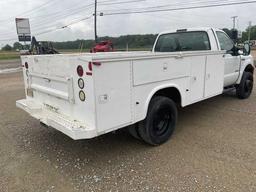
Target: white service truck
(87, 95)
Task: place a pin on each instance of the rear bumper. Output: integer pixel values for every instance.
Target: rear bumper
(64, 124)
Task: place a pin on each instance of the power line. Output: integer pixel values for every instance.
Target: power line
(37, 8)
(32, 10)
(155, 10)
(168, 5)
(123, 2)
(11, 39)
(181, 8)
(65, 26)
(80, 7)
(74, 12)
(53, 30)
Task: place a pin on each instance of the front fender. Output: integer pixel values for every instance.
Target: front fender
(246, 61)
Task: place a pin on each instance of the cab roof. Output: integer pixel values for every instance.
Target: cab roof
(190, 29)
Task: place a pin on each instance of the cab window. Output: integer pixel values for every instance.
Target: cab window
(225, 42)
(183, 41)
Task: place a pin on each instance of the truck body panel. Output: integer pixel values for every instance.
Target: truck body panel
(119, 86)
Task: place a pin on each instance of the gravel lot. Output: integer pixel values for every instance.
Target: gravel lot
(213, 149)
(9, 64)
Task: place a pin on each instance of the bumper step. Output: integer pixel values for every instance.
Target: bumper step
(72, 128)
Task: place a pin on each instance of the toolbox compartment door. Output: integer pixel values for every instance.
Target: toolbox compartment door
(214, 77)
(112, 82)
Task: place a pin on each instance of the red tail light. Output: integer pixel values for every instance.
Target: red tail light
(90, 66)
(93, 63)
(26, 65)
(80, 71)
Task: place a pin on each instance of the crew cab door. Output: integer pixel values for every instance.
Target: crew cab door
(232, 62)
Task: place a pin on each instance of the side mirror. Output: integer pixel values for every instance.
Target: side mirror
(247, 49)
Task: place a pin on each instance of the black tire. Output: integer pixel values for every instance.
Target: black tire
(160, 122)
(133, 131)
(244, 89)
(43, 124)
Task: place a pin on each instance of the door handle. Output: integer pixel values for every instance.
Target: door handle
(208, 76)
(47, 80)
(178, 57)
(194, 78)
(165, 67)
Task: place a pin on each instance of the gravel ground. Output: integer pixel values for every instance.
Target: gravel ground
(254, 56)
(212, 149)
(7, 64)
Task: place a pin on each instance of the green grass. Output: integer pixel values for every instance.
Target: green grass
(8, 55)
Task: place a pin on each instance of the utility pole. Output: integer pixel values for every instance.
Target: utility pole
(95, 22)
(234, 21)
(249, 32)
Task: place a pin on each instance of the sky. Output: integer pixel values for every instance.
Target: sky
(51, 16)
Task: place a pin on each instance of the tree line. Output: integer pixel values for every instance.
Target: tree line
(131, 41)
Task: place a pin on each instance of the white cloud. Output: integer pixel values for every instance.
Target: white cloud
(61, 12)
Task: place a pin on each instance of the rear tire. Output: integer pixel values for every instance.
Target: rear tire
(244, 89)
(43, 124)
(160, 122)
(133, 131)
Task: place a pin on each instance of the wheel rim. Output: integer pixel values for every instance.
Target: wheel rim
(162, 121)
(248, 85)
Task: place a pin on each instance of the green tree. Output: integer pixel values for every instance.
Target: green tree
(17, 45)
(7, 48)
(134, 41)
(246, 33)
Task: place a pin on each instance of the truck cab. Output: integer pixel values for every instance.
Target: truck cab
(201, 39)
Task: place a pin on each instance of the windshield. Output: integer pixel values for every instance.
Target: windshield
(183, 41)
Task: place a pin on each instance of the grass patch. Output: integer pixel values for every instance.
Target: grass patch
(8, 55)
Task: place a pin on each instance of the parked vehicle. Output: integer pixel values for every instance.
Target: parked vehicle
(252, 43)
(87, 95)
(104, 46)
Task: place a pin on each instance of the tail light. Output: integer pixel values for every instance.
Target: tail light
(26, 65)
(82, 96)
(93, 63)
(81, 83)
(90, 66)
(80, 71)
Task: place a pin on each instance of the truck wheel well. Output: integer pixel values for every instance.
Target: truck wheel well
(172, 93)
(250, 69)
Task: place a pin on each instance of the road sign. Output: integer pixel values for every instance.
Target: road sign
(23, 29)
